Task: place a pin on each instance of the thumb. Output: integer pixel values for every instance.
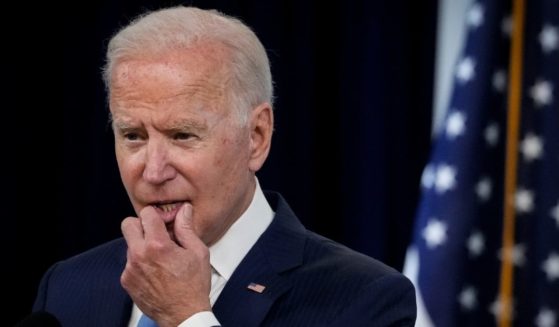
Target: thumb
(184, 227)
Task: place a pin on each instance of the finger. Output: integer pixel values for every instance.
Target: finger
(154, 227)
(132, 231)
(184, 228)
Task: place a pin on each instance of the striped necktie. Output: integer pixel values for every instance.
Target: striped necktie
(145, 321)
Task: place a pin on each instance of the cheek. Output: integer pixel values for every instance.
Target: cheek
(218, 160)
(231, 160)
(121, 157)
(223, 152)
(227, 160)
(130, 169)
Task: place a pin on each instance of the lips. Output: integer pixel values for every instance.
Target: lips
(167, 210)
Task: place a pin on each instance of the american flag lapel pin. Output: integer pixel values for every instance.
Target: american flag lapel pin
(256, 287)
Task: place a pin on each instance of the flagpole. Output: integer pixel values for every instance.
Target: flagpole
(511, 163)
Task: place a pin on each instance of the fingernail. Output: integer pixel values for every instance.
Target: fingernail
(186, 213)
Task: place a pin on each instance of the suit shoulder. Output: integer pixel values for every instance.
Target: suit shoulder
(95, 260)
(337, 286)
(321, 256)
(85, 285)
(343, 262)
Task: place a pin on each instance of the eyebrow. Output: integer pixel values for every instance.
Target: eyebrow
(175, 125)
(182, 124)
(121, 124)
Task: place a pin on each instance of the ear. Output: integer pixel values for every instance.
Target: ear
(261, 129)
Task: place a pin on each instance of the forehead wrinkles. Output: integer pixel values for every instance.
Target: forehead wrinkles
(146, 85)
(205, 91)
(199, 76)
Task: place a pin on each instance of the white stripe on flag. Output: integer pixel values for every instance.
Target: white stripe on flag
(411, 270)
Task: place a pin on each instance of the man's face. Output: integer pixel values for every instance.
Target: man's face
(177, 140)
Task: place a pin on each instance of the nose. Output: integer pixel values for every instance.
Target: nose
(158, 169)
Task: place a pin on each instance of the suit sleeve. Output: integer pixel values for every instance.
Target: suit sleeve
(388, 301)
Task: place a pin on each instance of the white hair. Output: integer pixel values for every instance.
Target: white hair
(171, 29)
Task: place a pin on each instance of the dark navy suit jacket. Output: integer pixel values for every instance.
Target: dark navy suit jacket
(309, 280)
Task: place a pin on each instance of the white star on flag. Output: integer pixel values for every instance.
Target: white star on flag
(551, 267)
(445, 178)
(549, 38)
(428, 177)
(491, 134)
(531, 147)
(474, 17)
(499, 80)
(545, 318)
(524, 200)
(455, 124)
(476, 244)
(434, 233)
(542, 93)
(555, 213)
(498, 307)
(483, 189)
(468, 298)
(465, 70)
(517, 254)
(506, 26)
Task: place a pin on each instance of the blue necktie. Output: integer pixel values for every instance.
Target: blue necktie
(145, 321)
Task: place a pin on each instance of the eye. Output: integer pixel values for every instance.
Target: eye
(132, 136)
(182, 136)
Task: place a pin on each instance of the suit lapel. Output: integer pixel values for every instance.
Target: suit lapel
(237, 305)
(278, 250)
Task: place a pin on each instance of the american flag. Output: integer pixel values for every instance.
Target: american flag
(473, 262)
(256, 287)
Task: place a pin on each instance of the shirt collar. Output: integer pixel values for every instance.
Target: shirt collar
(227, 253)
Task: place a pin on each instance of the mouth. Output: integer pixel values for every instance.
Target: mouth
(167, 210)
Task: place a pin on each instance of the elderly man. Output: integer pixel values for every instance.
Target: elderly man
(190, 96)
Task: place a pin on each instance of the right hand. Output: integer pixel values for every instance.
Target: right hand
(169, 281)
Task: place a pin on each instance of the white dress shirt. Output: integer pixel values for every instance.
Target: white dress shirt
(226, 254)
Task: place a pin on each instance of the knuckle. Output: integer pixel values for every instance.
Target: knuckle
(135, 257)
(155, 247)
(125, 279)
